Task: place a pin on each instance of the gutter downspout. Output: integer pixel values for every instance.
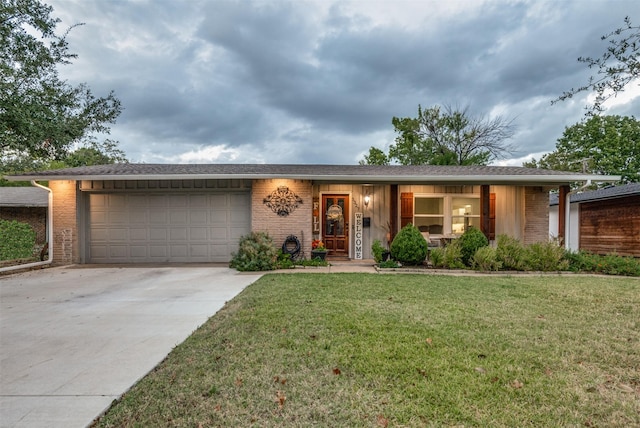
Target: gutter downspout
(49, 235)
(567, 218)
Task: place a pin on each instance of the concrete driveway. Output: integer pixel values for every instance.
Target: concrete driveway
(74, 339)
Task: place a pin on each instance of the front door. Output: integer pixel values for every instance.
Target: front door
(335, 231)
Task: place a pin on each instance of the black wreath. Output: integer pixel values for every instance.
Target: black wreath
(291, 239)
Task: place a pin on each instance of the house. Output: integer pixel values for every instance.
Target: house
(26, 205)
(158, 213)
(602, 221)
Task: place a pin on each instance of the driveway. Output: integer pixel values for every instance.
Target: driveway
(73, 339)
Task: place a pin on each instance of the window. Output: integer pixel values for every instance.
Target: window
(465, 212)
(429, 215)
(443, 215)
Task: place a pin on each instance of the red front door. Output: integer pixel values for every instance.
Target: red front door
(335, 231)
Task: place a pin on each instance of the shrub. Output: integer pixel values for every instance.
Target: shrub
(511, 253)
(546, 256)
(376, 250)
(485, 259)
(284, 261)
(452, 256)
(582, 261)
(16, 240)
(256, 252)
(469, 242)
(436, 256)
(614, 264)
(388, 264)
(409, 246)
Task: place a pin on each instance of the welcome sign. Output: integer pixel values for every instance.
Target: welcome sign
(358, 236)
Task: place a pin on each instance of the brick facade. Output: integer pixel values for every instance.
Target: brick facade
(36, 217)
(65, 222)
(536, 215)
(297, 223)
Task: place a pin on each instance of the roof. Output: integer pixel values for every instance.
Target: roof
(23, 197)
(328, 173)
(610, 192)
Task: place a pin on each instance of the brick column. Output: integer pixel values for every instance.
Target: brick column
(65, 223)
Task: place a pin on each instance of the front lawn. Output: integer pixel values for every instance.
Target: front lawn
(404, 350)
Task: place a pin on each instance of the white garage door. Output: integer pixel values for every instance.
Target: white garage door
(174, 227)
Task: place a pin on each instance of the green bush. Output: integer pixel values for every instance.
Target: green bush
(436, 256)
(485, 259)
(376, 250)
(452, 257)
(583, 261)
(388, 264)
(284, 261)
(16, 240)
(256, 252)
(546, 256)
(510, 253)
(469, 242)
(409, 246)
(613, 264)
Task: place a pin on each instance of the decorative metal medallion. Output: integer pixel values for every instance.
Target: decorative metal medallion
(282, 201)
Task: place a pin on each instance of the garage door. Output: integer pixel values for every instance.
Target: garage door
(174, 227)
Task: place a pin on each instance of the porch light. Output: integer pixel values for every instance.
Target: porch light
(367, 199)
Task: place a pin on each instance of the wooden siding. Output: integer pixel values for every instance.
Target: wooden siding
(377, 211)
(611, 225)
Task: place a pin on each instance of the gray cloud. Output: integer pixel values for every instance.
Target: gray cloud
(318, 82)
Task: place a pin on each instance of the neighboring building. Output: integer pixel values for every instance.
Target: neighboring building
(26, 205)
(601, 221)
(132, 213)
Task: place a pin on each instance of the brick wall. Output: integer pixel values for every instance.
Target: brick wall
(36, 217)
(297, 223)
(65, 223)
(536, 226)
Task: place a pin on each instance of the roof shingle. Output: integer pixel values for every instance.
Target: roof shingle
(352, 173)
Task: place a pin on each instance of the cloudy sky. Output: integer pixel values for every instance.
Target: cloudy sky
(223, 81)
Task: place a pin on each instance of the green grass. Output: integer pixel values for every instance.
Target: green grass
(404, 350)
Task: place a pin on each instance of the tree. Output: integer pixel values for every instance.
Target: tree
(375, 157)
(616, 68)
(598, 145)
(91, 153)
(41, 116)
(96, 154)
(446, 137)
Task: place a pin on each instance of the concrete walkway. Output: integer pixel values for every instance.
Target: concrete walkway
(74, 339)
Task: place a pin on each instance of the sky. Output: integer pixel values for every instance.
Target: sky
(318, 82)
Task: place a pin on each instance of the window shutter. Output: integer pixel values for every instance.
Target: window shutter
(492, 216)
(406, 208)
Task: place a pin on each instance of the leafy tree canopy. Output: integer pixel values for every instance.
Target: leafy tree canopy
(42, 117)
(598, 145)
(91, 153)
(445, 136)
(618, 66)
